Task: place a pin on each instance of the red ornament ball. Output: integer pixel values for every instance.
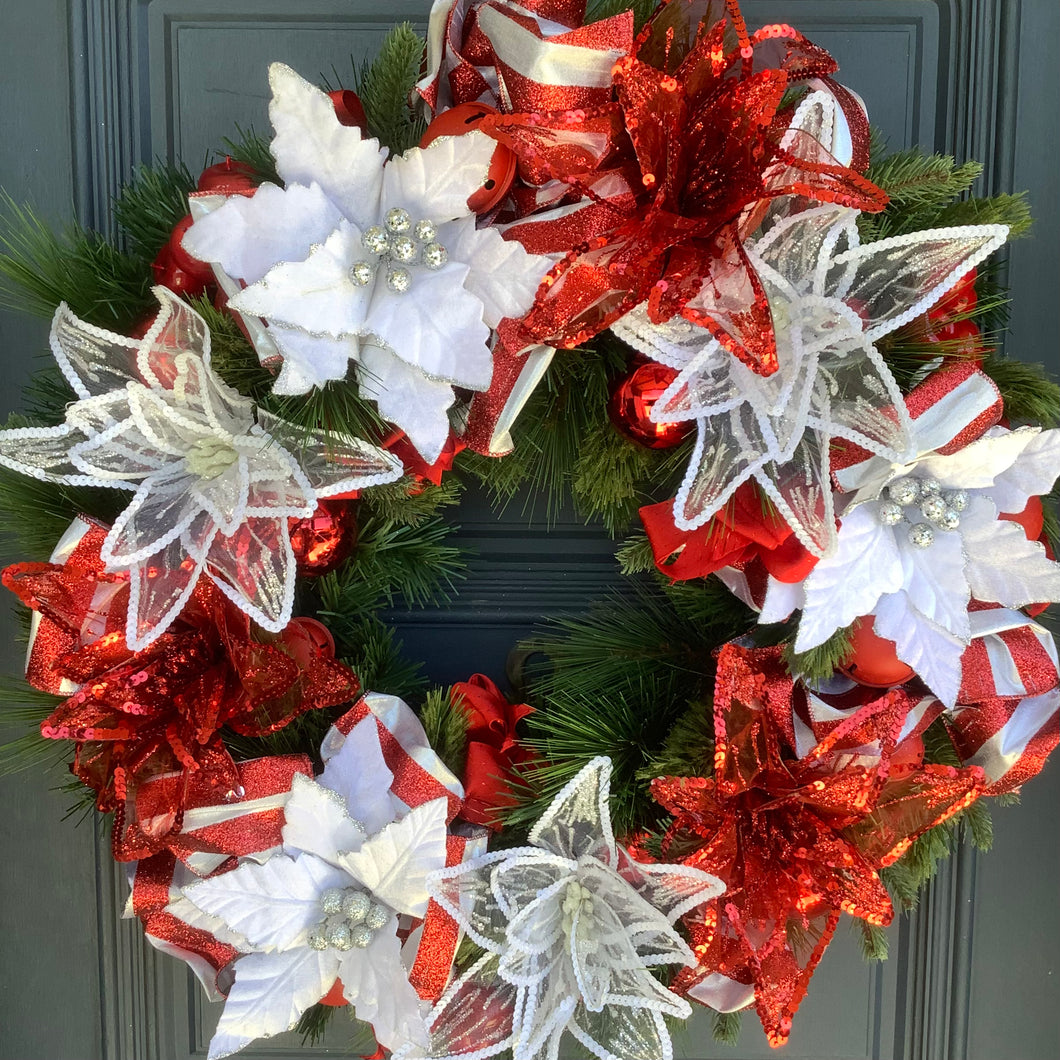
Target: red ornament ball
(228, 178)
(325, 539)
(873, 660)
(461, 119)
(176, 269)
(632, 400)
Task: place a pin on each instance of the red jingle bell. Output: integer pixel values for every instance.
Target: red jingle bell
(325, 539)
(631, 403)
(176, 269)
(228, 178)
(349, 109)
(461, 119)
(873, 660)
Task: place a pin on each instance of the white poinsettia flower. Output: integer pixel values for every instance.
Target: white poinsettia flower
(831, 300)
(571, 926)
(214, 479)
(921, 540)
(354, 860)
(372, 261)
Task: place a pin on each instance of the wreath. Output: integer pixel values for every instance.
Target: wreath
(643, 258)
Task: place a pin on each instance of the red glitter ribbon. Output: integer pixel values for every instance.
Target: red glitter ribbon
(796, 837)
(136, 716)
(419, 776)
(215, 837)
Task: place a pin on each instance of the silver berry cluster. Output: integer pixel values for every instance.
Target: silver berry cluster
(351, 919)
(923, 504)
(398, 244)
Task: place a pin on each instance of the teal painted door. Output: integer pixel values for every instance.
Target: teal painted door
(88, 88)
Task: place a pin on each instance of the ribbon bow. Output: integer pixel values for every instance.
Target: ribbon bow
(135, 716)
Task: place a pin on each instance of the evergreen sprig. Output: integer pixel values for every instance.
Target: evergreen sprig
(151, 205)
(386, 89)
(41, 267)
(445, 722)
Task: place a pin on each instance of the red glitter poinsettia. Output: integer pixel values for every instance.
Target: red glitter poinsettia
(136, 716)
(797, 838)
(711, 147)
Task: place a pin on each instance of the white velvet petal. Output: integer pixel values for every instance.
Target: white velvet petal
(435, 182)
(270, 993)
(436, 327)
(310, 360)
(316, 295)
(415, 402)
(1031, 475)
(359, 775)
(248, 235)
(317, 821)
(1005, 568)
(847, 584)
(394, 863)
(503, 276)
(375, 984)
(935, 583)
(271, 905)
(933, 652)
(311, 145)
(978, 464)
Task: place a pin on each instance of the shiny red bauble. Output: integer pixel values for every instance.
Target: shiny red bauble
(873, 660)
(228, 178)
(632, 400)
(176, 269)
(461, 119)
(325, 539)
(349, 109)
(959, 301)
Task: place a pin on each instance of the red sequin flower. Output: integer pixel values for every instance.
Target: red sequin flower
(797, 838)
(139, 715)
(710, 147)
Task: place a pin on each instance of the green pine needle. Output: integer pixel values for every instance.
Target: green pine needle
(821, 662)
(635, 555)
(312, 1025)
(40, 267)
(445, 722)
(688, 750)
(872, 940)
(406, 503)
(149, 208)
(386, 88)
(726, 1027)
(1011, 210)
(1029, 395)
(253, 151)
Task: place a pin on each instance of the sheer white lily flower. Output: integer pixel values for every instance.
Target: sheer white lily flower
(571, 926)
(215, 480)
(832, 300)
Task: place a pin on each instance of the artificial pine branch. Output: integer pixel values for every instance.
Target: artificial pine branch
(253, 150)
(148, 208)
(821, 662)
(726, 1027)
(386, 89)
(445, 722)
(598, 10)
(408, 503)
(635, 555)
(688, 750)
(1030, 396)
(39, 268)
(872, 940)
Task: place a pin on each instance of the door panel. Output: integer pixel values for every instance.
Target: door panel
(169, 79)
